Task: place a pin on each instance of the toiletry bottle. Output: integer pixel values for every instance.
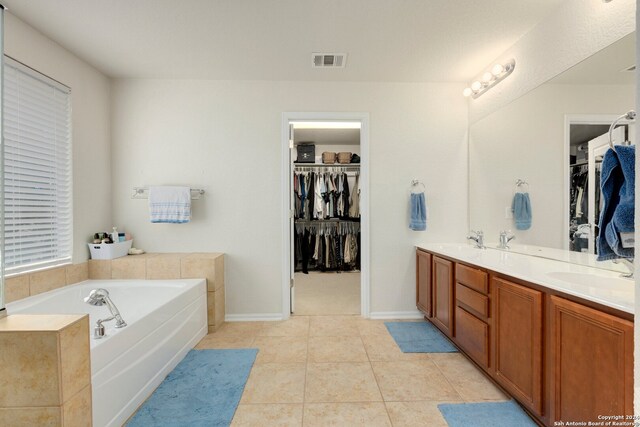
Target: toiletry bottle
(114, 235)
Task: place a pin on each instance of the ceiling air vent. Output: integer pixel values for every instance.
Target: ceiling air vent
(328, 60)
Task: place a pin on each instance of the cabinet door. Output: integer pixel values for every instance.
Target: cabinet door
(517, 330)
(423, 282)
(591, 363)
(443, 295)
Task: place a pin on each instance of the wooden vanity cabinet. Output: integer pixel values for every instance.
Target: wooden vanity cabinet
(590, 370)
(472, 313)
(443, 296)
(517, 341)
(423, 282)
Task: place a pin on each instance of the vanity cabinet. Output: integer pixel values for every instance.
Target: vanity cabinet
(517, 335)
(590, 362)
(563, 358)
(443, 295)
(472, 313)
(423, 282)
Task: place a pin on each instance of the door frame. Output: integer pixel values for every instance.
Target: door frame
(581, 119)
(363, 118)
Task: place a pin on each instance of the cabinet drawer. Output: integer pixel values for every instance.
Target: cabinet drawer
(472, 334)
(472, 278)
(473, 300)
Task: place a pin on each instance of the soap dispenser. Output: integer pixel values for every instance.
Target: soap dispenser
(114, 235)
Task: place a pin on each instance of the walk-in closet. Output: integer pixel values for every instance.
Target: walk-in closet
(325, 176)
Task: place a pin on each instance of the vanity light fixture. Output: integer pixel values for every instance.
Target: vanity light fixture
(489, 79)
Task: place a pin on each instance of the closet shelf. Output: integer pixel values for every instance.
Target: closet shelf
(300, 220)
(328, 165)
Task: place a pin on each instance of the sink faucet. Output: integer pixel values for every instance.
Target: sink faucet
(478, 238)
(100, 297)
(627, 263)
(505, 238)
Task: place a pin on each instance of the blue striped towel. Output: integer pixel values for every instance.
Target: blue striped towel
(170, 204)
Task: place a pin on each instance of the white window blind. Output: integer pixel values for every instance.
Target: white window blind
(37, 170)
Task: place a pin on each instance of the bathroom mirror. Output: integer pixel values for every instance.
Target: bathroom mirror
(530, 140)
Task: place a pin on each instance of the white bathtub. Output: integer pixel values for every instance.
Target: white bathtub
(165, 319)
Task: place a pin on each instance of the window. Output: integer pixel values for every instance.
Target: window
(37, 170)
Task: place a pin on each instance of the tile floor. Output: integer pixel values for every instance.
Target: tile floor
(344, 371)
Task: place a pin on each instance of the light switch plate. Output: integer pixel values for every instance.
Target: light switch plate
(508, 214)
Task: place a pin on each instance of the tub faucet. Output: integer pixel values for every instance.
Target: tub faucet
(505, 238)
(100, 297)
(478, 238)
(627, 263)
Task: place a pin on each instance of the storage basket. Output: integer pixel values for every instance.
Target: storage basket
(109, 250)
(328, 157)
(306, 153)
(344, 157)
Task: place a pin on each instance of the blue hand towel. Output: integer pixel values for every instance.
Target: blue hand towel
(418, 212)
(521, 207)
(617, 182)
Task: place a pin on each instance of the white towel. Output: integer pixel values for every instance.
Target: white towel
(170, 204)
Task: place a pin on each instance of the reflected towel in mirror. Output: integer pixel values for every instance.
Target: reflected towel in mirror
(521, 208)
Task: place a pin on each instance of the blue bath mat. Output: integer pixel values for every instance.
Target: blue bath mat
(203, 390)
(419, 337)
(485, 414)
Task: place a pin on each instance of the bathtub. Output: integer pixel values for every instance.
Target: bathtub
(165, 319)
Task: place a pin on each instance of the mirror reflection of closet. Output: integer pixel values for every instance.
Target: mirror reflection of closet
(588, 143)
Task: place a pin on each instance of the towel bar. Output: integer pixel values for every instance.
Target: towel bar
(143, 193)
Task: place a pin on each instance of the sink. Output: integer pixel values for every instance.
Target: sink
(597, 285)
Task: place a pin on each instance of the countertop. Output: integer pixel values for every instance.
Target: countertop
(592, 284)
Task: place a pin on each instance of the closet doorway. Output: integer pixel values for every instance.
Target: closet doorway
(327, 215)
(586, 141)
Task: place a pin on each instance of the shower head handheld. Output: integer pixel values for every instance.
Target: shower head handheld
(97, 297)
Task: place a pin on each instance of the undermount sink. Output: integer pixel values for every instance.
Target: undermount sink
(600, 286)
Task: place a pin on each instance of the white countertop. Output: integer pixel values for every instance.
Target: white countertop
(593, 284)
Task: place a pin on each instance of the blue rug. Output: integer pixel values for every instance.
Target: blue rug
(485, 414)
(419, 337)
(203, 390)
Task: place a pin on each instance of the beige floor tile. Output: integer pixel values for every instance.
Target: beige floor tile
(214, 340)
(416, 414)
(341, 382)
(275, 383)
(281, 349)
(336, 349)
(334, 326)
(371, 327)
(383, 348)
(241, 328)
(319, 293)
(268, 414)
(370, 414)
(466, 378)
(414, 380)
(294, 326)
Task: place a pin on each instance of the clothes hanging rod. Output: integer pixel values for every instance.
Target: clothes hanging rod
(324, 165)
(143, 193)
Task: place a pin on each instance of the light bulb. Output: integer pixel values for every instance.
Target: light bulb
(487, 77)
(476, 86)
(497, 70)
(467, 92)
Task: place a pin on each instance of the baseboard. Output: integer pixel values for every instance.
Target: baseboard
(413, 314)
(253, 317)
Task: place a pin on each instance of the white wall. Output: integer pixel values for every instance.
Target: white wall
(90, 100)
(525, 140)
(225, 137)
(570, 34)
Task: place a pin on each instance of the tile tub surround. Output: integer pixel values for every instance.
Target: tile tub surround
(46, 370)
(209, 266)
(345, 370)
(158, 266)
(24, 285)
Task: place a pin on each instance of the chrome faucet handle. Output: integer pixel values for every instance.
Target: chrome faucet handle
(479, 238)
(505, 239)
